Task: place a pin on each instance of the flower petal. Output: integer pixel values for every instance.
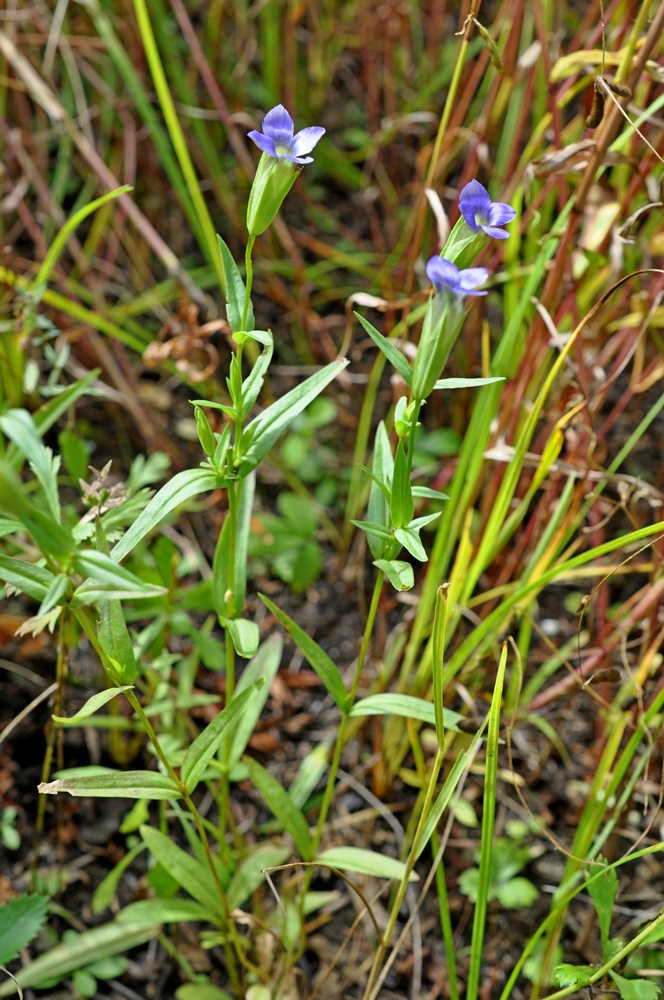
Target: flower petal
(279, 124)
(500, 213)
(471, 277)
(264, 142)
(498, 234)
(475, 195)
(306, 139)
(442, 273)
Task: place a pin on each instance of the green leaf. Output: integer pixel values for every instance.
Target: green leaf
(92, 705)
(167, 911)
(401, 501)
(201, 991)
(54, 593)
(378, 508)
(102, 569)
(20, 427)
(20, 921)
(52, 537)
(221, 581)
(357, 859)
(389, 349)
(265, 429)
(400, 574)
(603, 892)
(105, 891)
(282, 806)
(195, 878)
(405, 705)
(319, 660)
(249, 874)
(425, 491)
(310, 771)
(245, 635)
(116, 785)
(373, 528)
(92, 946)
(74, 454)
(114, 639)
(254, 382)
(573, 975)
(235, 290)
(465, 383)
(49, 414)
(411, 541)
(263, 668)
(516, 893)
(206, 744)
(176, 491)
(635, 989)
(32, 580)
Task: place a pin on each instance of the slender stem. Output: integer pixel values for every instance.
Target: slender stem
(334, 766)
(249, 280)
(411, 436)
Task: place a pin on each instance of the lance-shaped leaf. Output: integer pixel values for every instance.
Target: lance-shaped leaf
(113, 578)
(206, 744)
(181, 487)
(168, 911)
(54, 594)
(235, 291)
(411, 541)
(52, 537)
(399, 573)
(244, 633)
(378, 508)
(32, 580)
(263, 667)
(253, 383)
(282, 806)
(221, 577)
(20, 427)
(466, 383)
(316, 657)
(116, 785)
(270, 424)
(91, 706)
(91, 946)
(405, 705)
(357, 859)
(389, 349)
(194, 877)
(249, 874)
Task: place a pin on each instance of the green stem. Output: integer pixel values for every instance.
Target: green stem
(411, 436)
(249, 280)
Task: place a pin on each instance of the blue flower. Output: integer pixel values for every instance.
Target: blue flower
(481, 213)
(446, 277)
(277, 138)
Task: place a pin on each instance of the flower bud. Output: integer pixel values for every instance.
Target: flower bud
(205, 435)
(274, 179)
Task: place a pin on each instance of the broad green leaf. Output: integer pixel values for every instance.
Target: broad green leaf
(466, 383)
(249, 874)
(401, 501)
(92, 705)
(573, 975)
(177, 490)
(399, 573)
(411, 541)
(516, 893)
(32, 580)
(168, 911)
(105, 891)
(91, 946)
(635, 989)
(311, 770)
(245, 635)
(603, 892)
(263, 667)
(357, 859)
(235, 291)
(282, 806)
(378, 508)
(405, 705)
(52, 537)
(201, 991)
(206, 744)
(389, 349)
(319, 660)
(221, 582)
(116, 785)
(195, 878)
(265, 429)
(20, 427)
(54, 593)
(253, 384)
(102, 569)
(20, 921)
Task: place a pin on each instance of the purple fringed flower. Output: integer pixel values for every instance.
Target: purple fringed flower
(481, 213)
(277, 138)
(446, 277)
